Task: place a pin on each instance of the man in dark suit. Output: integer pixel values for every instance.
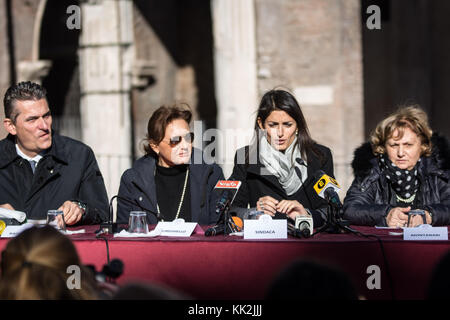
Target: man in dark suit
(41, 170)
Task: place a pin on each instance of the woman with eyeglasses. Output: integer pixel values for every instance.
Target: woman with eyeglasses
(278, 169)
(172, 180)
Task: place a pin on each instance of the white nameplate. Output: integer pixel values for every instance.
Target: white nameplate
(425, 232)
(176, 228)
(265, 228)
(12, 231)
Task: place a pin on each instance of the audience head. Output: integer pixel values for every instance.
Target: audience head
(311, 280)
(440, 279)
(168, 135)
(35, 265)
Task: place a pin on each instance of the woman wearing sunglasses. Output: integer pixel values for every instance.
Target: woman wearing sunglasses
(278, 169)
(167, 183)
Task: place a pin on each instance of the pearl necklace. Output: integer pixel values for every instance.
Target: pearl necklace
(409, 200)
(182, 197)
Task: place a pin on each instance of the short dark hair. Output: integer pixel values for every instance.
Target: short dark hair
(161, 118)
(22, 91)
(440, 279)
(311, 280)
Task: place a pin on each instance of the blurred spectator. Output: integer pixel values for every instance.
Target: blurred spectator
(34, 265)
(439, 287)
(313, 281)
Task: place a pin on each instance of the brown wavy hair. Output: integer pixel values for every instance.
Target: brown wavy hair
(412, 117)
(34, 267)
(160, 119)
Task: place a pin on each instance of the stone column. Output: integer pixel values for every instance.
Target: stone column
(235, 74)
(4, 60)
(105, 79)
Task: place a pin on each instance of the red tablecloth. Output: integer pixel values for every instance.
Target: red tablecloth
(229, 267)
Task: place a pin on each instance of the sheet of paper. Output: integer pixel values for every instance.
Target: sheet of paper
(126, 234)
(12, 231)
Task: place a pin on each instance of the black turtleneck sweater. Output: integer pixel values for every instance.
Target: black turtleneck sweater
(169, 188)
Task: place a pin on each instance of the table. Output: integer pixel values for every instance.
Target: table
(229, 267)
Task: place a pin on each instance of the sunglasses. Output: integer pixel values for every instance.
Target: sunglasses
(174, 141)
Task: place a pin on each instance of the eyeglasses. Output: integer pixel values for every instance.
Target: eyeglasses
(174, 141)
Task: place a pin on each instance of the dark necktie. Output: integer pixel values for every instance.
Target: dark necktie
(33, 165)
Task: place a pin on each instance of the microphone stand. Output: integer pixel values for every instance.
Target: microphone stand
(111, 227)
(225, 219)
(335, 223)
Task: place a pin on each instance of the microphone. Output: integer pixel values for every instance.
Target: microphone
(230, 189)
(223, 202)
(301, 162)
(304, 225)
(235, 224)
(217, 229)
(327, 187)
(226, 223)
(113, 269)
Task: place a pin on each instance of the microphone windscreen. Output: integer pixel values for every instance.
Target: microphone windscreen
(238, 222)
(300, 161)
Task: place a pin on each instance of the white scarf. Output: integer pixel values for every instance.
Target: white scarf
(282, 165)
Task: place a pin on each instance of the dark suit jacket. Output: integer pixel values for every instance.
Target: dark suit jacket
(254, 185)
(138, 187)
(370, 197)
(68, 171)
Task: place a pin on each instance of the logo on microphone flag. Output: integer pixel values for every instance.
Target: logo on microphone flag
(323, 182)
(227, 184)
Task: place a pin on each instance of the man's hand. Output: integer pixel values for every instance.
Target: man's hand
(6, 206)
(397, 217)
(72, 212)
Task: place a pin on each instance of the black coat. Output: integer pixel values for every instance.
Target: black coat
(370, 197)
(138, 186)
(254, 185)
(68, 171)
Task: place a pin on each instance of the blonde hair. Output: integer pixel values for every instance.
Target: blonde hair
(34, 266)
(412, 117)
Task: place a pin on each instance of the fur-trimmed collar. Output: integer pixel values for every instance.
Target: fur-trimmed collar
(364, 159)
